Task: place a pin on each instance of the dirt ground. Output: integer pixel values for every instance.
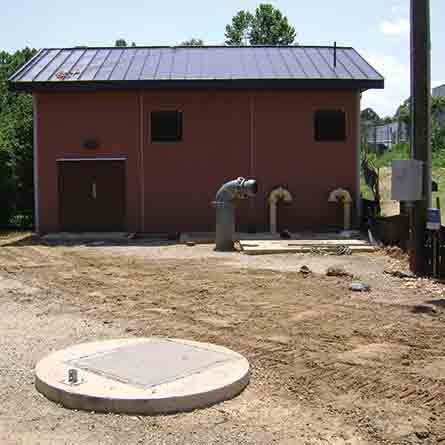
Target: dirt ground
(329, 366)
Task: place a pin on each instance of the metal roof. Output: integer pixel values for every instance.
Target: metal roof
(204, 66)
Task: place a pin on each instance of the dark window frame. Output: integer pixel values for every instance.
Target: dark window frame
(325, 131)
(156, 136)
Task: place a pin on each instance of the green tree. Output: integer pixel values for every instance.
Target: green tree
(238, 33)
(438, 138)
(437, 106)
(369, 115)
(267, 26)
(403, 114)
(121, 43)
(193, 42)
(16, 141)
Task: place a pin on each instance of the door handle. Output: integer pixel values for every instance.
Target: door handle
(93, 190)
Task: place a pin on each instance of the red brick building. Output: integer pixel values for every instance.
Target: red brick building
(140, 139)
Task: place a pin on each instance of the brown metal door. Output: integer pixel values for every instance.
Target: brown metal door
(92, 196)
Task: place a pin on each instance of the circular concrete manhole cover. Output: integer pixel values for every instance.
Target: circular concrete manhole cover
(142, 376)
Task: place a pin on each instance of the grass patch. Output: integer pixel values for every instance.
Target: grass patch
(399, 151)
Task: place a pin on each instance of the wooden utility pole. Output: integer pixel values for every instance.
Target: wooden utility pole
(420, 124)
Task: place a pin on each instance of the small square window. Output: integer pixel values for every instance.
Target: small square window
(166, 126)
(330, 125)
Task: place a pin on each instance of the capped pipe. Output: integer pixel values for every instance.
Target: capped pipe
(226, 196)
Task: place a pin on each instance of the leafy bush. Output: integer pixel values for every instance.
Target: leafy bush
(23, 220)
(438, 138)
(7, 194)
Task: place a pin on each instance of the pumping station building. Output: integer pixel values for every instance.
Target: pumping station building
(140, 139)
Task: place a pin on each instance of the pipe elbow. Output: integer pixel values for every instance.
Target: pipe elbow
(340, 195)
(237, 189)
(280, 194)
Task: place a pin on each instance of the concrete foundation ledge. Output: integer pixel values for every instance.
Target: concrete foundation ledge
(86, 236)
(145, 376)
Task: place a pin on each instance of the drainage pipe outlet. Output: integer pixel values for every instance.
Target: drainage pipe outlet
(343, 197)
(280, 194)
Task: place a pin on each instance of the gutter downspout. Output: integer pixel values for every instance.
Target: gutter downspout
(35, 122)
(358, 197)
(252, 205)
(141, 159)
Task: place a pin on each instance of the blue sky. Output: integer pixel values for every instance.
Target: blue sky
(379, 29)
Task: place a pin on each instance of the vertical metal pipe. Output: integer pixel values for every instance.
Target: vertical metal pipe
(225, 226)
(420, 124)
(358, 197)
(335, 54)
(36, 163)
(252, 203)
(141, 159)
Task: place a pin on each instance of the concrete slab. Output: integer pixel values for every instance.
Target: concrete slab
(209, 237)
(87, 236)
(260, 247)
(142, 376)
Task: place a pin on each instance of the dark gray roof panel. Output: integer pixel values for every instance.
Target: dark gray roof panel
(179, 68)
(43, 59)
(136, 65)
(80, 67)
(193, 70)
(53, 66)
(293, 66)
(150, 65)
(276, 60)
(238, 66)
(346, 61)
(93, 67)
(110, 63)
(362, 64)
(70, 61)
(120, 70)
(165, 65)
(341, 70)
(261, 64)
(264, 63)
(309, 66)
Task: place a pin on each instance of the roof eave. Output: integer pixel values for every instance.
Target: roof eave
(79, 86)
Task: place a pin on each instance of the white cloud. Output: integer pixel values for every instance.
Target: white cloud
(397, 84)
(394, 28)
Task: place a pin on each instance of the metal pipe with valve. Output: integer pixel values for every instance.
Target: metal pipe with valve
(224, 203)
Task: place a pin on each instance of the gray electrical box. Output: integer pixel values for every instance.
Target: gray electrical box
(407, 178)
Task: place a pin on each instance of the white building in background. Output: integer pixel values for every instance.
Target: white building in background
(386, 135)
(439, 91)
